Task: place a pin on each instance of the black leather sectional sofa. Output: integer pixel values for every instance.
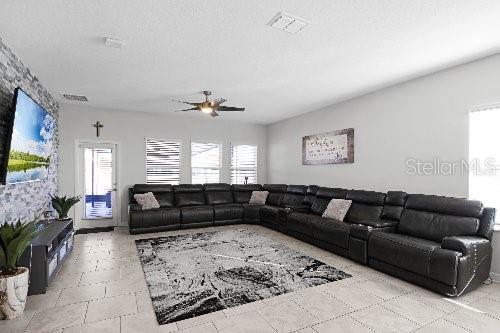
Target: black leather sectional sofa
(441, 243)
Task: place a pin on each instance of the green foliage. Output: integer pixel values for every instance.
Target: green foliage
(22, 156)
(14, 239)
(63, 204)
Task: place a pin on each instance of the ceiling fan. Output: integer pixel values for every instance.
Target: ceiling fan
(210, 107)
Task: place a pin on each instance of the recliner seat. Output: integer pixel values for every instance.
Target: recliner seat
(269, 213)
(293, 199)
(307, 225)
(195, 213)
(167, 217)
(241, 195)
(219, 196)
(438, 243)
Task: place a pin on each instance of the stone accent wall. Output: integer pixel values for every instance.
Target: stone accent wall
(25, 200)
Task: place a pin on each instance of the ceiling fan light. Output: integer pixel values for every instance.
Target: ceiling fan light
(207, 109)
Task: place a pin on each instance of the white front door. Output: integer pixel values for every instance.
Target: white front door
(96, 183)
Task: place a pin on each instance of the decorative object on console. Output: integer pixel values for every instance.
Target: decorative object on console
(147, 200)
(63, 204)
(258, 197)
(194, 274)
(14, 239)
(329, 148)
(337, 209)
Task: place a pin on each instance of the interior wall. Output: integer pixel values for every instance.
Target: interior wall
(130, 129)
(24, 201)
(424, 119)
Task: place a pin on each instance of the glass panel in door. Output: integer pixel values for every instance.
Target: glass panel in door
(98, 183)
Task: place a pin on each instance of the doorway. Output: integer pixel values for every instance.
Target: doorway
(97, 184)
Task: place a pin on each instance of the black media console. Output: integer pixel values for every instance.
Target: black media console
(49, 250)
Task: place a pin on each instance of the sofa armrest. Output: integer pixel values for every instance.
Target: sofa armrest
(379, 223)
(363, 229)
(465, 244)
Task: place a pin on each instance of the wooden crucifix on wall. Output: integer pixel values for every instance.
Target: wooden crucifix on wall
(98, 127)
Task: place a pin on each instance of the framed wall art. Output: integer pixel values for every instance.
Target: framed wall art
(329, 148)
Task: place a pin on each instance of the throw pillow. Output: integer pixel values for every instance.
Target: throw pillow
(258, 197)
(337, 209)
(146, 200)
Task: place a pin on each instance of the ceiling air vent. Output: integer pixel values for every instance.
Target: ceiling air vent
(287, 23)
(76, 98)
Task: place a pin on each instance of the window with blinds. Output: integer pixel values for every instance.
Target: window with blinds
(243, 164)
(205, 162)
(163, 162)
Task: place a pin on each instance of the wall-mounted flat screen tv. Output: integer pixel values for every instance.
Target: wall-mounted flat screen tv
(31, 141)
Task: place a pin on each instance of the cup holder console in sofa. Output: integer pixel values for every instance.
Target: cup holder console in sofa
(440, 243)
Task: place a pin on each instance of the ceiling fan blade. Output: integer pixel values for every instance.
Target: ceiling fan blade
(214, 114)
(218, 102)
(229, 108)
(195, 104)
(186, 110)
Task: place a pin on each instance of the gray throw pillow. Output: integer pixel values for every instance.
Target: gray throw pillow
(146, 200)
(337, 209)
(258, 197)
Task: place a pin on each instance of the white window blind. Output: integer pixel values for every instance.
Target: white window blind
(205, 162)
(243, 164)
(163, 162)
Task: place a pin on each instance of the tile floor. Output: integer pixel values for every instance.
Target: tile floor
(101, 288)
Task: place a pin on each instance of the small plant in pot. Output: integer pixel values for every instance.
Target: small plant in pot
(62, 205)
(14, 280)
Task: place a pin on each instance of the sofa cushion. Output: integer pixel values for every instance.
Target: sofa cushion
(444, 205)
(294, 195)
(359, 212)
(270, 214)
(394, 203)
(217, 187)
(197, 214)
(163, 193)
(310, 194)
(218, 193)
(146, 200)
(155, 218)
(251, 211)
(189, 195)
(337, 209)
(434, 226)
(366, 197)
(276, 193)
(366, 205)
(258, 197)
(332, 232)
(302, 223)
(243, 192)
(323, 197)
(228, 212)
(219, 198)
(417, 255)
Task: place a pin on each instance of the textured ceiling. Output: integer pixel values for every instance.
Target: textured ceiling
(174, 49)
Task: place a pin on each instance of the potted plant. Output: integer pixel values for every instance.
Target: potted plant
(14, 239)
(63, 204)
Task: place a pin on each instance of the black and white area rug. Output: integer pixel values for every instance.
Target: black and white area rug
(195, 274)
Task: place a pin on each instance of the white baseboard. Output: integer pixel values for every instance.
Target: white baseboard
(495, 277)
